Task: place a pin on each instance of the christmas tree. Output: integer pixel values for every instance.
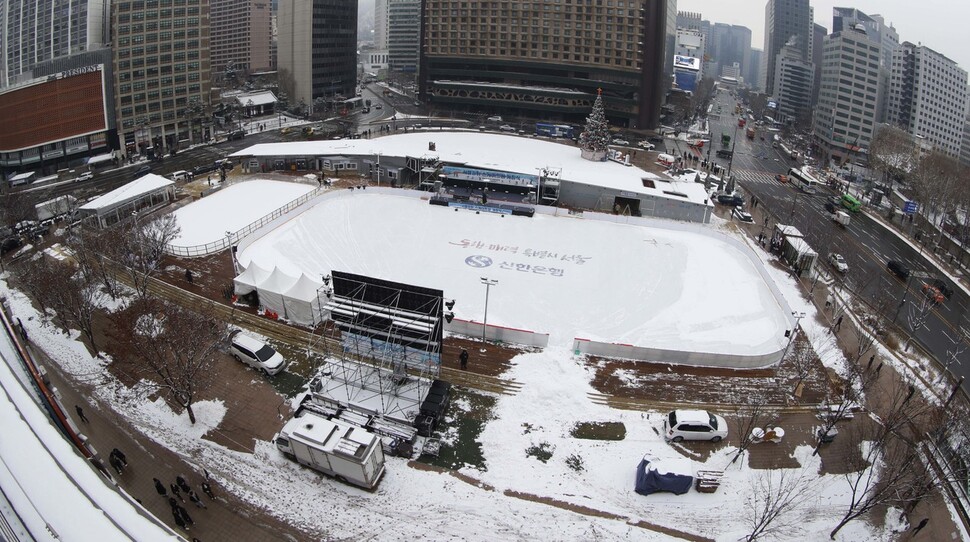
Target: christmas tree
(596, 136)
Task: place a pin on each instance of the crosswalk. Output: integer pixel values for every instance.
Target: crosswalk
(752, 176)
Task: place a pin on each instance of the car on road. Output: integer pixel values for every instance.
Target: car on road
(87, 175)
(742, 215)
(933, 294)
(681, 425)
(646, 145)
(730, 199)
(724, 153)
(898, 268)
(285, 130)
(256, 354)
(831, 207)
(937, 290)
(506, 128)
(141, 172)
(496, 118)
(378, 106)
(617, 141)
(783, 179)
(838, 262)
(11, 243)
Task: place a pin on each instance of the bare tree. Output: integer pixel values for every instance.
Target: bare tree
(93, 249)
(892, 152)
(917, 314)
(174, 346)
(746, 419)
(840, 405)
(72, 296)
(144, 247)
(775, 498)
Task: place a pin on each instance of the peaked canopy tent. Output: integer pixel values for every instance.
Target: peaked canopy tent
(271, 291)
(250, 279)
(303, 304)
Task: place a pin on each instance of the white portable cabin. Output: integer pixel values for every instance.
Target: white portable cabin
(348, 453)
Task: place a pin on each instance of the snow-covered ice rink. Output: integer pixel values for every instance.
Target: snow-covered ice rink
(564, 276)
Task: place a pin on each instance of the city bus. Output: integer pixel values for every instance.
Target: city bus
(554, 130)
(850, 203)
(803, 180)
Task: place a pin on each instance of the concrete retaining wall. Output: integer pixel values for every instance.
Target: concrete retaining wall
(682, 357)
(503, 334)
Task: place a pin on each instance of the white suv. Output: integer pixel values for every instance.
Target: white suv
(256, 354)
(682, 425)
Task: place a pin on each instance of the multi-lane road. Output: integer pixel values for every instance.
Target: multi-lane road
(866, 244)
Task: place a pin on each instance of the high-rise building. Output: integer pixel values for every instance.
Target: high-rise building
(752, 70)
(818, 39)
(241, 32)
(317, 51)
(403, 34)
(34, 31)
(161, 73)
(670, 40)
(546, 59)
(380, 25)
(783, 20)
(729, 45)
(845, 114)
(888, 38)
(965, 146)
(794, 83)
(928, 96)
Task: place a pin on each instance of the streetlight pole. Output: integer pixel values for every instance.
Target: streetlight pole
(734, 143)
(488, 284)
(791, 336)
(232, 257)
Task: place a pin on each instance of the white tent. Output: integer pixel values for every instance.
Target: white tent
(250, 279)
(271, 291)
(302, 302)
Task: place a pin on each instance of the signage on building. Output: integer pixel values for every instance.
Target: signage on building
(772, 104)
(75, 71)
(484, 175)
(687, 63)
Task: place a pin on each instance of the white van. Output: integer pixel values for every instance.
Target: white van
(256, 354)
(180, 175)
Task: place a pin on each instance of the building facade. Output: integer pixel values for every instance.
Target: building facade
(161, 74)
(928, 97)
(689, 57)
(794, 84)
(729, 45)
(848, 98)
(888, 38)
(34, 31)
(546, 59)
(752, 70)
(241, 33)
(317, 50)
(783, 20)
(403, 34)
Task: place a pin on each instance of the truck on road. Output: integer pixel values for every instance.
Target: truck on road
(842, 218)
(347, 452)
(55, 208)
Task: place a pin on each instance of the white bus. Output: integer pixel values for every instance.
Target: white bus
(804, 180)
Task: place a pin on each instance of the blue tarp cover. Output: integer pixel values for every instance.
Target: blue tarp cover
(650, 481)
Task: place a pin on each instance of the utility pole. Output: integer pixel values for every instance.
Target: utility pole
(488, 284)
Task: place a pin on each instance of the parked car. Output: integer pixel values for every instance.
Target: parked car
(256, 354)
(838, 262)
(898, 268)
(741, 215)
(11, 243)
(681, 425)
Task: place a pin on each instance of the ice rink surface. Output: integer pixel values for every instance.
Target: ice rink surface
(568, 277)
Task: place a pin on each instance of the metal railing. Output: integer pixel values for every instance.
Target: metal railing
(234, 237)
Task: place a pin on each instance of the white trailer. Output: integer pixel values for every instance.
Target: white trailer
(55, 208)
(347, 452)
(842, 218)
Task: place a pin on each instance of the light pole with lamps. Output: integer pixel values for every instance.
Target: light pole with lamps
(488, 284)
(232, 256)
(791, 334)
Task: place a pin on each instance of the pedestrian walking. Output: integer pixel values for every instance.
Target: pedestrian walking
(205, 473)
(188, 275)
(194, 497)
(173, 503)
(838, 323)
(920, 525)
(464, 359)
(23, 331)
(879, 368)
(159, 487)
(80, 413)
(116, 464)
(182, 484)
(121, 457)
(185, 515)
(828, 301)
(178, 520)
(872, 358)
(207, 489)
(175, 491)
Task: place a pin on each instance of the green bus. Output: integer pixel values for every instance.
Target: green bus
(850, 203)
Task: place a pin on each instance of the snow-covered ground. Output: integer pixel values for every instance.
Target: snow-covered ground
(233, 208)
(564, 276)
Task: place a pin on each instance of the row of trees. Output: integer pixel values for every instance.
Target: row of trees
(170, 346)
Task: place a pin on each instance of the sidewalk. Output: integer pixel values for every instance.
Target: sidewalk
(226, 518)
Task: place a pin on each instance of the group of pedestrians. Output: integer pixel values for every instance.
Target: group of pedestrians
(176, 495)
(118, 461)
